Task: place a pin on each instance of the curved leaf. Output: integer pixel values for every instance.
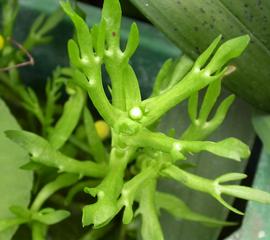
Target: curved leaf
(179, 210)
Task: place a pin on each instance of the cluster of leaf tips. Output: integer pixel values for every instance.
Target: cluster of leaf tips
(137, 148)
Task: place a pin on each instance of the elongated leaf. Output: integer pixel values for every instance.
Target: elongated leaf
(133, 41)
(231, 148)
(42, 152)
(83, 34)
(16, 183)
(177, 208)
(52, 21)
(52, 217)
(247, 193)
(60, 182)
(210, 99)
(132, 89)
(69, 119)
(112, 13)
(151, 228)
(193, 24)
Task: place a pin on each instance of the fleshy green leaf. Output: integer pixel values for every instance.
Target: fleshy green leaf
(150, 228)
(101, 34)
(228, 51)
(69, 118)
(131, 189)
(83, 33)
(132, 89)
(230, 148)
(62, 181)
(231, 177)
(107, 192)
(181, 67)
(195, 80)
(42, 152)
(161, 76)
(133, 41)
(170, 73)
(177, 208)
(247, 193)
(52, 217)
(193, 107)
(101, 213)
(210, 99)
(74, 53)
(222, 110)
(202, 59)
(112, 14)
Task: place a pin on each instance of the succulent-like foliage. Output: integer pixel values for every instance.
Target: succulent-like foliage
(134, 140)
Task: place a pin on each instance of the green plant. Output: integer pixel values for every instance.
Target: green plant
(121, 179)
(191, 25)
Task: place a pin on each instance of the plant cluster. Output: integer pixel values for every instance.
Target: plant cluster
(120, 178)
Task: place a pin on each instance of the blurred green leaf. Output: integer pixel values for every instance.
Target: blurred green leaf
(16, 183)
(177, 208)
(51, 217)
(192, 25)
(261, 123)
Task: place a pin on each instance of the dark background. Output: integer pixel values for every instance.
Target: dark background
(128, 9)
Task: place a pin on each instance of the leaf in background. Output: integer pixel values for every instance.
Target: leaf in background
(193, 24)
(261, 123)
(15, 183)
(256, 222)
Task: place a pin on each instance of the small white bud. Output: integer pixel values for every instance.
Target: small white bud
(135, 113)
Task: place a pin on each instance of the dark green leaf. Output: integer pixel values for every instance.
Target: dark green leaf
(193, 24)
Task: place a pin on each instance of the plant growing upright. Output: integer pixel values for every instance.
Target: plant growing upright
(139, 155)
